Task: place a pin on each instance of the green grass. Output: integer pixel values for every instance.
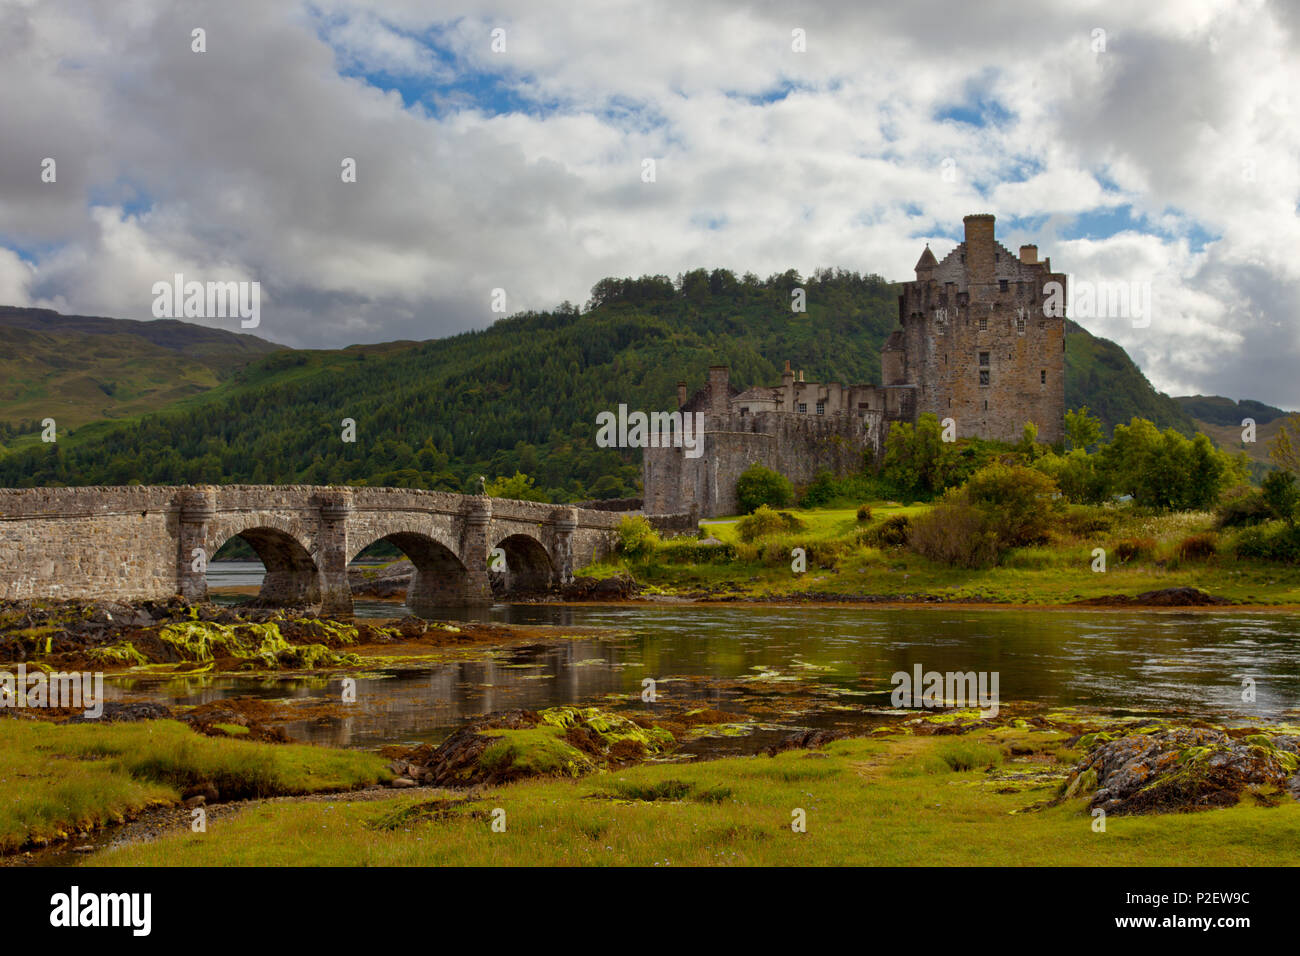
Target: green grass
(864, 800)
(839, 561)
(59, 778)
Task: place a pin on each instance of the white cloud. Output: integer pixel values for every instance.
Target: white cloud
(227, 163)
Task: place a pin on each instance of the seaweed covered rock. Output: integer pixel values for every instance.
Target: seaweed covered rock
(516, 744)
(107, 634)
(249, 645)
(1183, 769)
(805, 740)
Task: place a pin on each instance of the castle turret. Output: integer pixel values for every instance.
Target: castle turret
(925, 266)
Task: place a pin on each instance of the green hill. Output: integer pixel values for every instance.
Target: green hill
(524, 393)
(1099, 374)
(1218, 410)
(77, 369)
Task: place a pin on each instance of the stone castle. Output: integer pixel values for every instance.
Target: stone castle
(974, 344)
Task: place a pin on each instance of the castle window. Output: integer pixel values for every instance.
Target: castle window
(744, 412)
(984, 376)
(821, 408)
(864, 406)
(984, 323)
(984, 360)
(1002, 285)
(803, 408)
(1042, 377)
(1020, 324)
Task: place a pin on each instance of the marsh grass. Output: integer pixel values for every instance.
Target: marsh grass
(60, 778)
(862, 806)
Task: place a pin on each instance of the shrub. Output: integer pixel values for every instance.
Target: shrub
(825, 554)
(821, 492)
(1281, 495)
(762, 486)
(955, 532)
(636, 537)
(1077, 475)
(1130, 548)
(1277, 542)
(892, 532)
(864, 513)
(1017, 502)
(765, 521)
(1084, 520)
(1245, 508)
(917, 459)
(1198, 547)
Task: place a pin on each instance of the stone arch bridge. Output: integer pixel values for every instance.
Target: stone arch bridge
(141, 542)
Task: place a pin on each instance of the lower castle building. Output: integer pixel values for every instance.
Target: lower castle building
(978, 342)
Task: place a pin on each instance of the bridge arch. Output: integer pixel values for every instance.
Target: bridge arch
(441, 578)
(292, 578)
(528, 566)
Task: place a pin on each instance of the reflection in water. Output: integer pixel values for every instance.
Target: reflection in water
(1164, 662)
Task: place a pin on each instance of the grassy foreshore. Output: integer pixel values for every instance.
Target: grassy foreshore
(847, 559)
(895, 799)
(59, 780)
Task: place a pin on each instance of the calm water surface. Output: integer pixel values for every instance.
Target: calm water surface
(816, 666)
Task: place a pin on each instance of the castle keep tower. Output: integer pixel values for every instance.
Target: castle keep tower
(975, 344)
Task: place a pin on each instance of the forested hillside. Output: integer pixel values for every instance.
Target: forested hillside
(524, 393)
(1100, 374)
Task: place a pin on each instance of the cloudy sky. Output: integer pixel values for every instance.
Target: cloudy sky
(502, 145)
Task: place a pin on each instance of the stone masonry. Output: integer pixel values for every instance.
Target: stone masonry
(139, 543)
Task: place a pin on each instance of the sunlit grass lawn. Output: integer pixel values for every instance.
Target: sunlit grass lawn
(885, 801)
(59, 778)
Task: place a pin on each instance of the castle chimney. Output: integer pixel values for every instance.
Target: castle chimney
(1029, 255)
(980, 249)
(681, 394)
(800, 376)
(787, 376)
(719, 389)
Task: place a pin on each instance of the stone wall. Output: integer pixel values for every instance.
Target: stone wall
(797, 446)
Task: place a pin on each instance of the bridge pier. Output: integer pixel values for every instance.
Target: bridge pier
(332, 554)
(476, 589)
(566, 523)
(197, 509)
